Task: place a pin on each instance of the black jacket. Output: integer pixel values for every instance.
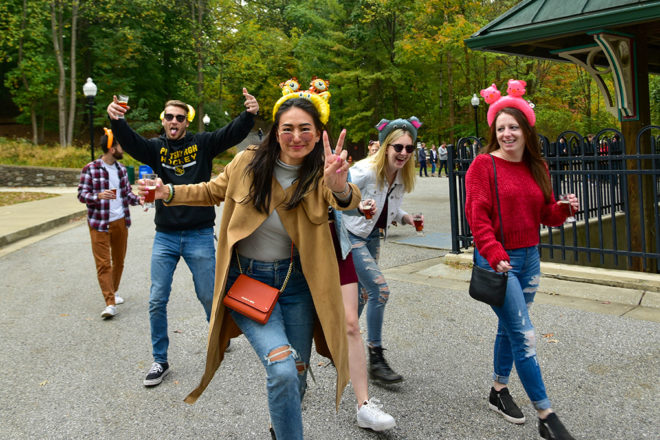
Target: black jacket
(186, 160)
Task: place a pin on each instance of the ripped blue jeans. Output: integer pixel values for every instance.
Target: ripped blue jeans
(516, 338)
(372, 287)
(288, 332)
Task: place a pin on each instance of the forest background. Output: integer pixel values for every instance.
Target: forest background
(383, 59)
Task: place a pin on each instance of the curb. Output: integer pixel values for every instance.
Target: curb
(22, 234)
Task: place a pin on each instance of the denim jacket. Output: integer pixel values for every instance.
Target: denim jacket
(363, 174)
(340, 227)
(342, 232)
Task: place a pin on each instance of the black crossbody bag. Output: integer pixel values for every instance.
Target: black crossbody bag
(486, 286)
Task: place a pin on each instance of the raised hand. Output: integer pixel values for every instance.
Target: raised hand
(251, 104)
(116, 111)
(335, 171)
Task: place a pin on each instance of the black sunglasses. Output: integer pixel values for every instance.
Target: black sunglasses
(179, 118)
(399, 148)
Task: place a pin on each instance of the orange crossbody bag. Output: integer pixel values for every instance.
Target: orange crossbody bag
(251, 297)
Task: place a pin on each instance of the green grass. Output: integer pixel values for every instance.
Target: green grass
(23, 152)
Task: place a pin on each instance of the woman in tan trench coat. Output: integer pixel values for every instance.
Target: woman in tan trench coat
(274, 194)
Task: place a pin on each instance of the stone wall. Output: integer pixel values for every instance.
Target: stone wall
(15, 176)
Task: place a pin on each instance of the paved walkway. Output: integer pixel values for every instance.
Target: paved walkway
(68, 374)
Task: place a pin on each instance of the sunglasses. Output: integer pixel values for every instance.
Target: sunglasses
(399, 148)
(305, 136)
(179, 118)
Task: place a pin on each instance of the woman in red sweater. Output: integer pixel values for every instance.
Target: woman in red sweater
(526, 201)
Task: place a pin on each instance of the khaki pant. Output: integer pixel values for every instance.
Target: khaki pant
(109, 250)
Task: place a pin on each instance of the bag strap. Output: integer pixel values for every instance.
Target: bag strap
(288, 274)
(499, 210)
(497, 196)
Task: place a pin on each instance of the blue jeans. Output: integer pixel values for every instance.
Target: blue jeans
(443, 164)
(198, 251)
(290, 325)
(422, 165)
(516, 338)
(373, 289)
(432, 167)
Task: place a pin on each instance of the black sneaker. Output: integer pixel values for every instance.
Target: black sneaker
(156, 374)
(551, 428)
(502, 402)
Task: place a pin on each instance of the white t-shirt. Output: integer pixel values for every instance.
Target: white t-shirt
(116, 206)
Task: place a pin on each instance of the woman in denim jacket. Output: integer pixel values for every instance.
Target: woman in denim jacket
(383, 177)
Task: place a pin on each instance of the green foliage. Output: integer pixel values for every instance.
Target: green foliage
(383, 58)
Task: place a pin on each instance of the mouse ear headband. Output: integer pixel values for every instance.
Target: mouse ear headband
(385, 127)
(317, 93)
(111, 137)
(190, 117)
(515, 90)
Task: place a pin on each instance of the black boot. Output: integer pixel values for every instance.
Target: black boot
(378, 368)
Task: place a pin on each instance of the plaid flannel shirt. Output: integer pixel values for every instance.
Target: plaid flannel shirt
(94, 178)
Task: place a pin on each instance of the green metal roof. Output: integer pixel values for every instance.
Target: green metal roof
(538, 28)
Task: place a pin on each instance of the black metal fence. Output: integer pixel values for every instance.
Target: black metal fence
(619, 220)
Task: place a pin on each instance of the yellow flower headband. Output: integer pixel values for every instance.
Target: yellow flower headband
(317, 93)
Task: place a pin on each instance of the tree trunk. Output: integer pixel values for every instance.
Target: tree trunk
(35, 126)
(72, 76)
(440, 96)
(33, 115)
(56, 28)
(450, 98)
(200, 64)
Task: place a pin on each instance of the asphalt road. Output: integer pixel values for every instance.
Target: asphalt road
(68, 374)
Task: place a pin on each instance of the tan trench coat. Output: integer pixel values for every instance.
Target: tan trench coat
(307, 225)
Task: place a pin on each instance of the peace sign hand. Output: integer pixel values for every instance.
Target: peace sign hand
(335, 171)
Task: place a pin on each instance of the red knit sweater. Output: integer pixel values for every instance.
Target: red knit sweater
(522, 203)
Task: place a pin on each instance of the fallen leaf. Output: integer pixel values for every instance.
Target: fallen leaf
(64, 314)
(548, 335)
(553, 341)
(606, 302)
(178, 331)
(43, 383)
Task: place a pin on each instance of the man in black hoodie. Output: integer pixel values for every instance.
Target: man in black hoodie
(179, 157)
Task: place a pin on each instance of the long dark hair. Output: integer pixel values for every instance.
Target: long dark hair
(532, 154)
(262, 165)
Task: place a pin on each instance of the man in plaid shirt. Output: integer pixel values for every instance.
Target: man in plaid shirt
(105, 189)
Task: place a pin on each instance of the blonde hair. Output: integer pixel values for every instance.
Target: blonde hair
(379, 162)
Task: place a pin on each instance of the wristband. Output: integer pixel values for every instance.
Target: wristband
(344, 194)
(171, 196)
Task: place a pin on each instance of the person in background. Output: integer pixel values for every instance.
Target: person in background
(275, 216)
(105, 189)
(383, 177)
(442, 159)
(180, 157)
(525, 202)
(433, 156)
(373, 147)
(421, 159)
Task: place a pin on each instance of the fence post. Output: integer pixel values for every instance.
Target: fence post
(453, 200)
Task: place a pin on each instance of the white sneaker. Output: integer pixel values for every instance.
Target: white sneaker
(118, 300)
(370, 415)
(109, 312)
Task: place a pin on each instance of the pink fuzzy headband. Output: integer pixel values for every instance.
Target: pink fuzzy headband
(514, 99)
